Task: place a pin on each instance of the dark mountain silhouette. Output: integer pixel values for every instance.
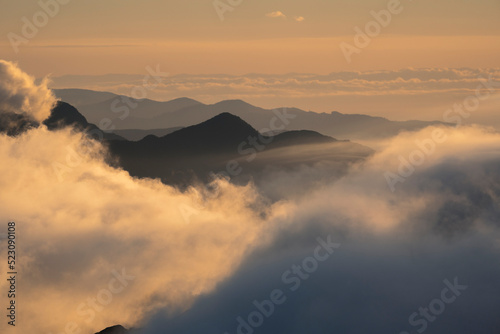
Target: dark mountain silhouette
(184, 155)
(193, 153)
(138, 134)
(14, 124)
(300, 137)
(64, 115)
(197, 152)
(149, 114)
(118, 329)
(219, 133)
(97, 105)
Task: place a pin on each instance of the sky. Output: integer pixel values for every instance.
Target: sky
(270, 37)
(397, 247)
(272, 54)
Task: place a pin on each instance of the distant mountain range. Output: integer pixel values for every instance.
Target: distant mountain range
(62, 115)
(138, 134)
(125, 113)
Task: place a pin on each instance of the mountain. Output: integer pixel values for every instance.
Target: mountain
(148, 114)
(98, 105)
(118, 329)
(64, 115)
(300, 137)
(82, 97)
(228, 144)
(138, 134)
(14, 124)
(224, 144)
(219, 133)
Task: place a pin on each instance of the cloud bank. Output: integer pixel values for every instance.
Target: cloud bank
(398, 252)
(402, 82)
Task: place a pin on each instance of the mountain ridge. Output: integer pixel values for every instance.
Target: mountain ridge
(164, 115)
(193, 153)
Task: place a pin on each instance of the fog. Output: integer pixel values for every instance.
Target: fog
(396, 250)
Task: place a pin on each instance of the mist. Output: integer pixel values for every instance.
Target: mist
(397, 251)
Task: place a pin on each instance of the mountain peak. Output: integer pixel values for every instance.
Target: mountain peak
(220, 133)
(64, 114)
(118, 329)
(185, 99)
(225, 117)
(181, 102)
(224, 128)
(233, 104)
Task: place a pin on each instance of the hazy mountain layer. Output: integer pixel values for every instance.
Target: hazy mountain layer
(126, 113)
(227, 145)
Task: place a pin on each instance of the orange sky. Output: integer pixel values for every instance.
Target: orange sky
(97, 37)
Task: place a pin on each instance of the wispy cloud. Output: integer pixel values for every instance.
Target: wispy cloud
(299, 18)
(85, 46)
(276, 14)
(400, 82)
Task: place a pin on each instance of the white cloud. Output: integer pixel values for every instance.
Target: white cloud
(19, 94)
(94, 219)
(276, 14)
(425, 232)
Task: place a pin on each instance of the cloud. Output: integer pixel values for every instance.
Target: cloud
(20, 95)
(99, 219)
(299, 18)
(405, 82)
(397, 249)
(81, 220)
(276, 14)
